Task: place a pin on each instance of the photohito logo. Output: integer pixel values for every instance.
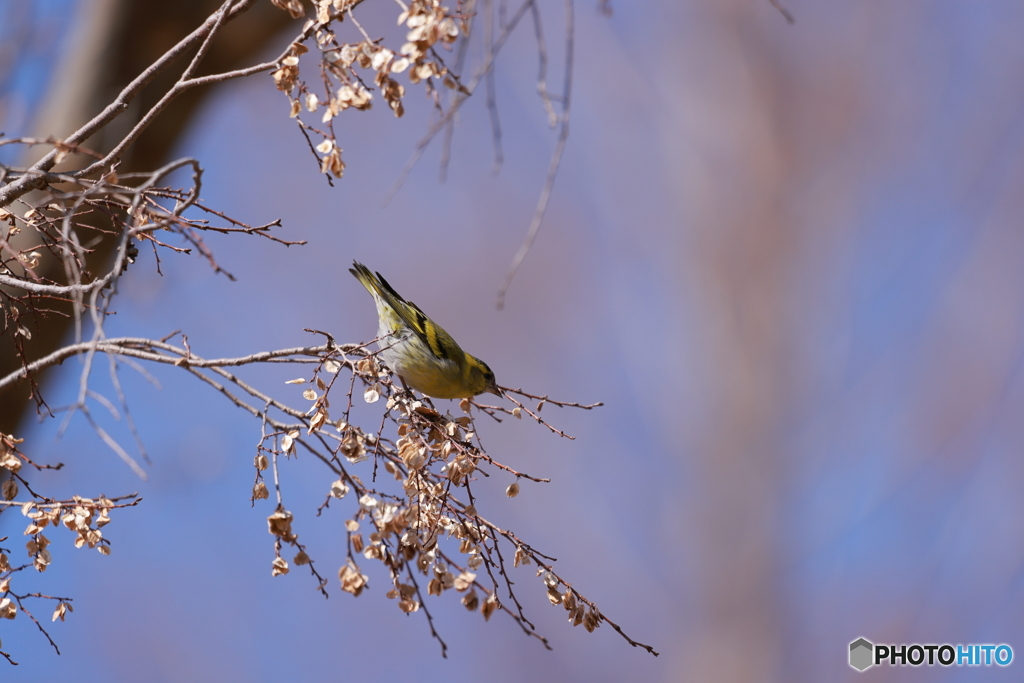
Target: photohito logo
(864, 654)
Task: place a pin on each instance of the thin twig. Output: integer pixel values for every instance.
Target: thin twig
(470, 87)
(777, 5)
(140, 348)
(556, 160)
(492, 102)
(542, 66)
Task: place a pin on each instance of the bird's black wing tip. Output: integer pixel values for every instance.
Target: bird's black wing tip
(388, 287)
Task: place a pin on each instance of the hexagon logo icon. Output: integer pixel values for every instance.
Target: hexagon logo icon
(861, 651)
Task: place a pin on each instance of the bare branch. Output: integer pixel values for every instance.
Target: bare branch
(33, 180)
(556, 160)
(777, 5)
(542, 66)
(470, 88)
(147, 349)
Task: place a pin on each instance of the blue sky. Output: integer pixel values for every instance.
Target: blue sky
(787, 258)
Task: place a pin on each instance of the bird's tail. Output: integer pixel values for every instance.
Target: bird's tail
(382, 291)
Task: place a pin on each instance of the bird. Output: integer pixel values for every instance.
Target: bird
(418, 350)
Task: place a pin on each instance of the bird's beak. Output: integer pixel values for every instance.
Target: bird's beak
(492, 388)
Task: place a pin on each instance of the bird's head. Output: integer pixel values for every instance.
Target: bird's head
(480, 377)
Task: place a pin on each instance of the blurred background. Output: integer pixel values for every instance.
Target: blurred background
(788, 258)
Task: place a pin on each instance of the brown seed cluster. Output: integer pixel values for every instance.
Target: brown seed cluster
(420, 523)
(84, 516)
(353, 73)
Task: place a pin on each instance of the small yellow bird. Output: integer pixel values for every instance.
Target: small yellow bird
(418, 350)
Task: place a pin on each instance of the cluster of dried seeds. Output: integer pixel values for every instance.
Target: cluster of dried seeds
(429, 527)
(347, 69)
(84, 516)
